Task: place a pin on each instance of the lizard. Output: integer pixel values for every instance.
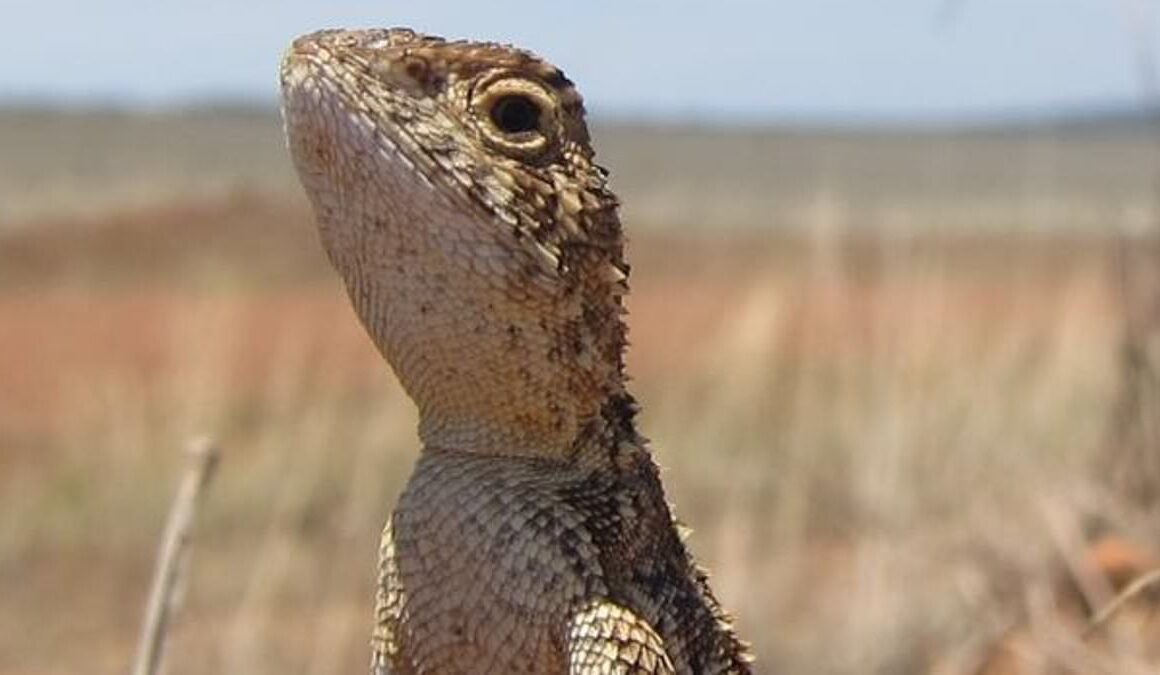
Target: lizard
(456, 192)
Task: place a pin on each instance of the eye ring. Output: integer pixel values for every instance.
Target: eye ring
(515, 114)
(518, 116)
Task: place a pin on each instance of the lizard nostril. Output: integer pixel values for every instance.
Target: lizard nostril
(411, 72)
(415, 68)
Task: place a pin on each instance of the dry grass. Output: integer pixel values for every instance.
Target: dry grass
(882, 439)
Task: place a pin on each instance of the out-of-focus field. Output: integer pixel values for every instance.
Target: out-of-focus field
(877, 369)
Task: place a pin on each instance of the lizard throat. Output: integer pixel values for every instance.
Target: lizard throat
(494, 364)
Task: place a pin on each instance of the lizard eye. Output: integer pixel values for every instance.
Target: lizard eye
(517, 116)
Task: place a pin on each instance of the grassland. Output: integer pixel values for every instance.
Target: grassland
(877, 369)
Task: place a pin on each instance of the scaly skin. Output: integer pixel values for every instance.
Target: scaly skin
(456, 193)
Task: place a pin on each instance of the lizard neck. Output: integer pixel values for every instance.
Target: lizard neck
(502, 353)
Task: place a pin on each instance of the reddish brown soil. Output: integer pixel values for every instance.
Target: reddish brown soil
(132, 295)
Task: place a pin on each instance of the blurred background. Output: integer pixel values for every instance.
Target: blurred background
(895, 323)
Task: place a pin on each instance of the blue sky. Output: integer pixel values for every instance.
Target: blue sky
(824, 59)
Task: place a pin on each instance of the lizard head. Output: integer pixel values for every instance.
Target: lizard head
(456, 192)
(503, 124)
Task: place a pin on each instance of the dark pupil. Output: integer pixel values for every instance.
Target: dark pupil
(515, 114)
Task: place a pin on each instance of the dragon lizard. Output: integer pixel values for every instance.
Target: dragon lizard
(456, 193)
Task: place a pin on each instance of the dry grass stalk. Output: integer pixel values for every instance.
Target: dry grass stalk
(1137, 587)
(203, 456)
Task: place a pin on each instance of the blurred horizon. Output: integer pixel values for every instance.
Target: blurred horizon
(830, 62)
(1124, 113)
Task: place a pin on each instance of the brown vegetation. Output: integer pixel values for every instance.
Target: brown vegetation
(882, 438)
(1057, 634)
